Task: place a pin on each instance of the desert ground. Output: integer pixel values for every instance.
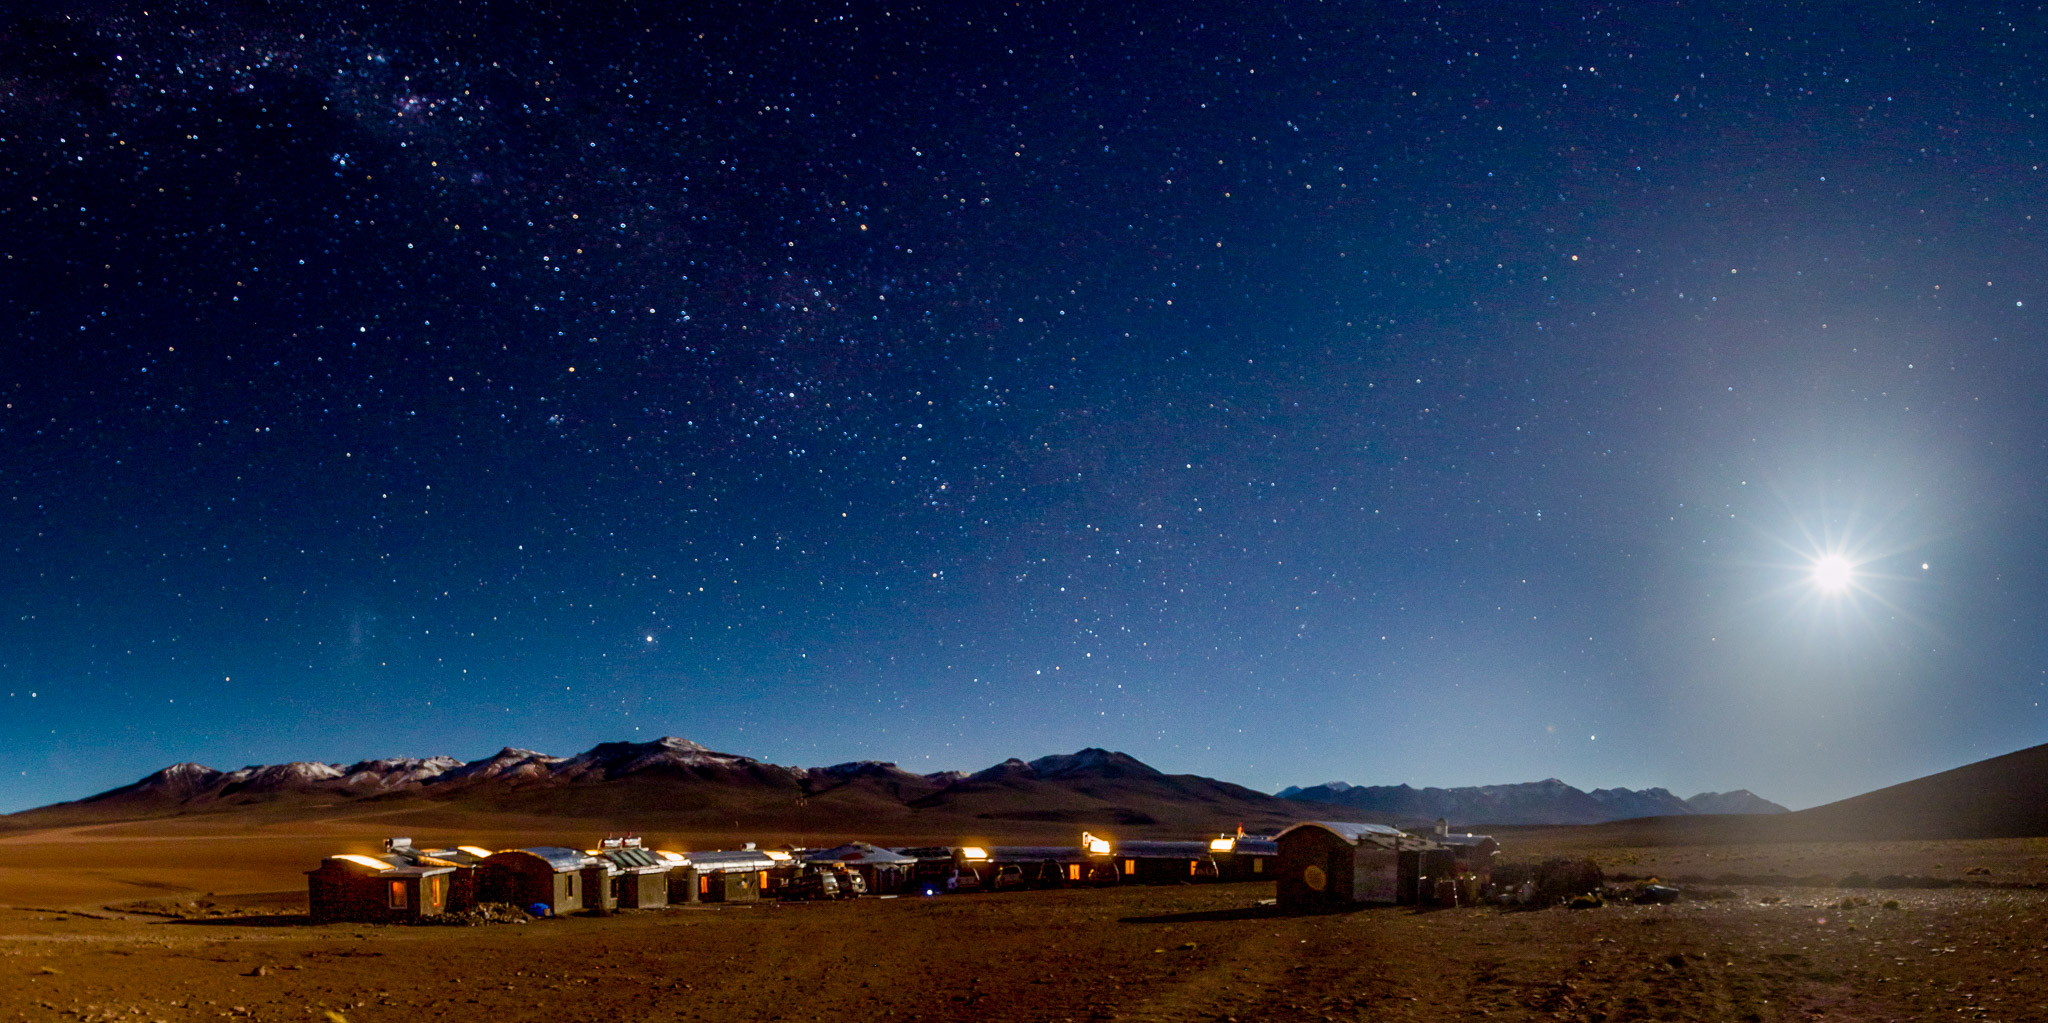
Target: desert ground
(186, 920)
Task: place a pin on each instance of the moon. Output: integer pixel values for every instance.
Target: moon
(1832, 573)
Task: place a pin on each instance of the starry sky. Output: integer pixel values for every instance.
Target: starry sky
(1442, 393)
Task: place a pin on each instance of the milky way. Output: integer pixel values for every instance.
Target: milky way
(1280, 392)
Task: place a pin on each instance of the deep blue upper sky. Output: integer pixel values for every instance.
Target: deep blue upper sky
(1424, 392)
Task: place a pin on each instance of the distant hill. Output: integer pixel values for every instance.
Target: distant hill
(1544, 802)
(678, 783)
(2003, 797)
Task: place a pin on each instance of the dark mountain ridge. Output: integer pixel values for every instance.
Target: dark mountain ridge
(680, 780)
(1549, 801)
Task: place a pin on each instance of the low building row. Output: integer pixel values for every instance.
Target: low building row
(1322, 863)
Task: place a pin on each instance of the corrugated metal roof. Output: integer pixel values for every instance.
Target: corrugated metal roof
(375, 864)
(727, 861)
(1162, 850)
(560, 858)
(1038, 854)
(1463, 840)
(1355, 833)
(416, 871)
(459, 857)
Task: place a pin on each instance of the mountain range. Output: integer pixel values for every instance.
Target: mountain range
(1538, 802)
(683, 783)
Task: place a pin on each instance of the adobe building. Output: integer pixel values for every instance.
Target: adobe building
(1054, 866)
(682, 877)
(366, 889)
(544, 880)
(600, 883)
(1243, 857)
(642, 878)
(739, 875)
(1163, 862)
(1335, 864)
(467, 861)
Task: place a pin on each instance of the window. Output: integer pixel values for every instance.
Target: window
(1130, 866)
(1258, 866)
(572, 886)
(1073, 872)
(398, 900)
(1191, 868)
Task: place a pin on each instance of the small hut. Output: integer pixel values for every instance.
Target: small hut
(642, 879)
(467, 860)
(543, 880)
(881, 870)
(731, 875)
(367, 889)
(1324, 864)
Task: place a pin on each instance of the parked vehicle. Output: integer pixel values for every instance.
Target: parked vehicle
(812, 884)
(851, 884)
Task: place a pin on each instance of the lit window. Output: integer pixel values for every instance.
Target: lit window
(1258, 866)
(1130, 866)
(1073, 872)
(398, 895)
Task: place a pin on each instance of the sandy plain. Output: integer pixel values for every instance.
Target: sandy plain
(76, 945)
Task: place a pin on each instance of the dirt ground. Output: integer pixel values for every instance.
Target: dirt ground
(1747, 952)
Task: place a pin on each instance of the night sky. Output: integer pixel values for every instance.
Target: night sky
(1442, 393)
